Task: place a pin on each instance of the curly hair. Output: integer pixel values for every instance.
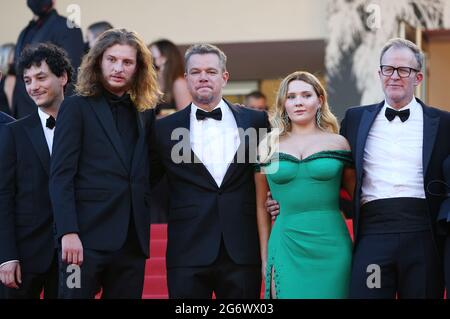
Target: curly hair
(144, 91)
(279, 120)
(56, 58)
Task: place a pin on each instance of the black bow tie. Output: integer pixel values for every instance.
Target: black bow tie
(51, 122)
(216, 114)
(391, 114)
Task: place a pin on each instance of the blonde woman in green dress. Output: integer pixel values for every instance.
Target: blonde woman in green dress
(304, 162)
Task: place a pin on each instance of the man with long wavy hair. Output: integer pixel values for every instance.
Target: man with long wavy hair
(99, 176)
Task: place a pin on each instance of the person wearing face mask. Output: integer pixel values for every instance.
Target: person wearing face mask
(46, 26)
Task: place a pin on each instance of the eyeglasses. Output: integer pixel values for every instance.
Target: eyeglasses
(402, 71)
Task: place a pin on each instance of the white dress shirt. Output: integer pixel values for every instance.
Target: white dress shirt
(47, 132)
(215, 142)
(49, 138)
(392, 162)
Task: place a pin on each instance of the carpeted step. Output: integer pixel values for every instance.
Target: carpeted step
(155, 285)
(158, 248)
(164, 296)
(155, 266)
(158, 231)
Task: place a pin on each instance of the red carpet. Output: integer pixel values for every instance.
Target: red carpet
(155, 285)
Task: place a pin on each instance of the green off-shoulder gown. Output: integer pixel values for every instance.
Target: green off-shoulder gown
(310, 248)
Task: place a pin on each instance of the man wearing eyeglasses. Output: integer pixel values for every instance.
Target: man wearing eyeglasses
(398, 148)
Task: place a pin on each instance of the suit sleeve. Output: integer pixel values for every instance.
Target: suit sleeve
(8, 160)
(157, 169)
(266, 121)
(66, 151)
(265, 125)
(345, 203)
(343, 129)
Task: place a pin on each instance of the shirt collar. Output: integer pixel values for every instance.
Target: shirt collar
(43, 116)
(411, 105)
(221, 105)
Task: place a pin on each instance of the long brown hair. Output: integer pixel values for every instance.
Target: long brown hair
(144, 91)
(173, 68)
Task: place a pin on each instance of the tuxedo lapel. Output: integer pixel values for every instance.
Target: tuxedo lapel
(430, 128)
(242, 124)
(36, 135)
(367, 119)
(104, 115)
(140, 142)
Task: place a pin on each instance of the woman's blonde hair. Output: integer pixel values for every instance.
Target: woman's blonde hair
(144, 91)
(279, 119)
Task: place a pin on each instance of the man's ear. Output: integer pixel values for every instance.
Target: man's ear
(418, 79)
(64, 79)
(225, 77)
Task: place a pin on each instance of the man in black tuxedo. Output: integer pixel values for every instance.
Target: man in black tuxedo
(398, 147)
(27, 251)
(99, 183)
(212, 234)
(4, 118)
(46, 26)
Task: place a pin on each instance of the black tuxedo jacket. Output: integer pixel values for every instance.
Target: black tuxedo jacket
(55, 31)
(93, 188)
(436, 132)
(201, 213)
(26, 220)
(5, 118)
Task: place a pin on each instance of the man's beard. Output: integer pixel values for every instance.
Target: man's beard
(205, 100)
(46, 104)
(107, 86)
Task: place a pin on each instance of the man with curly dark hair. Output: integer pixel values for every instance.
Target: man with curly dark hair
(47, 25)
(28, 262)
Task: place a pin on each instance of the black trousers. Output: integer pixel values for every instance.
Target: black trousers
(118, 275)
(409, 266)
(224, 277)
(33, 284)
